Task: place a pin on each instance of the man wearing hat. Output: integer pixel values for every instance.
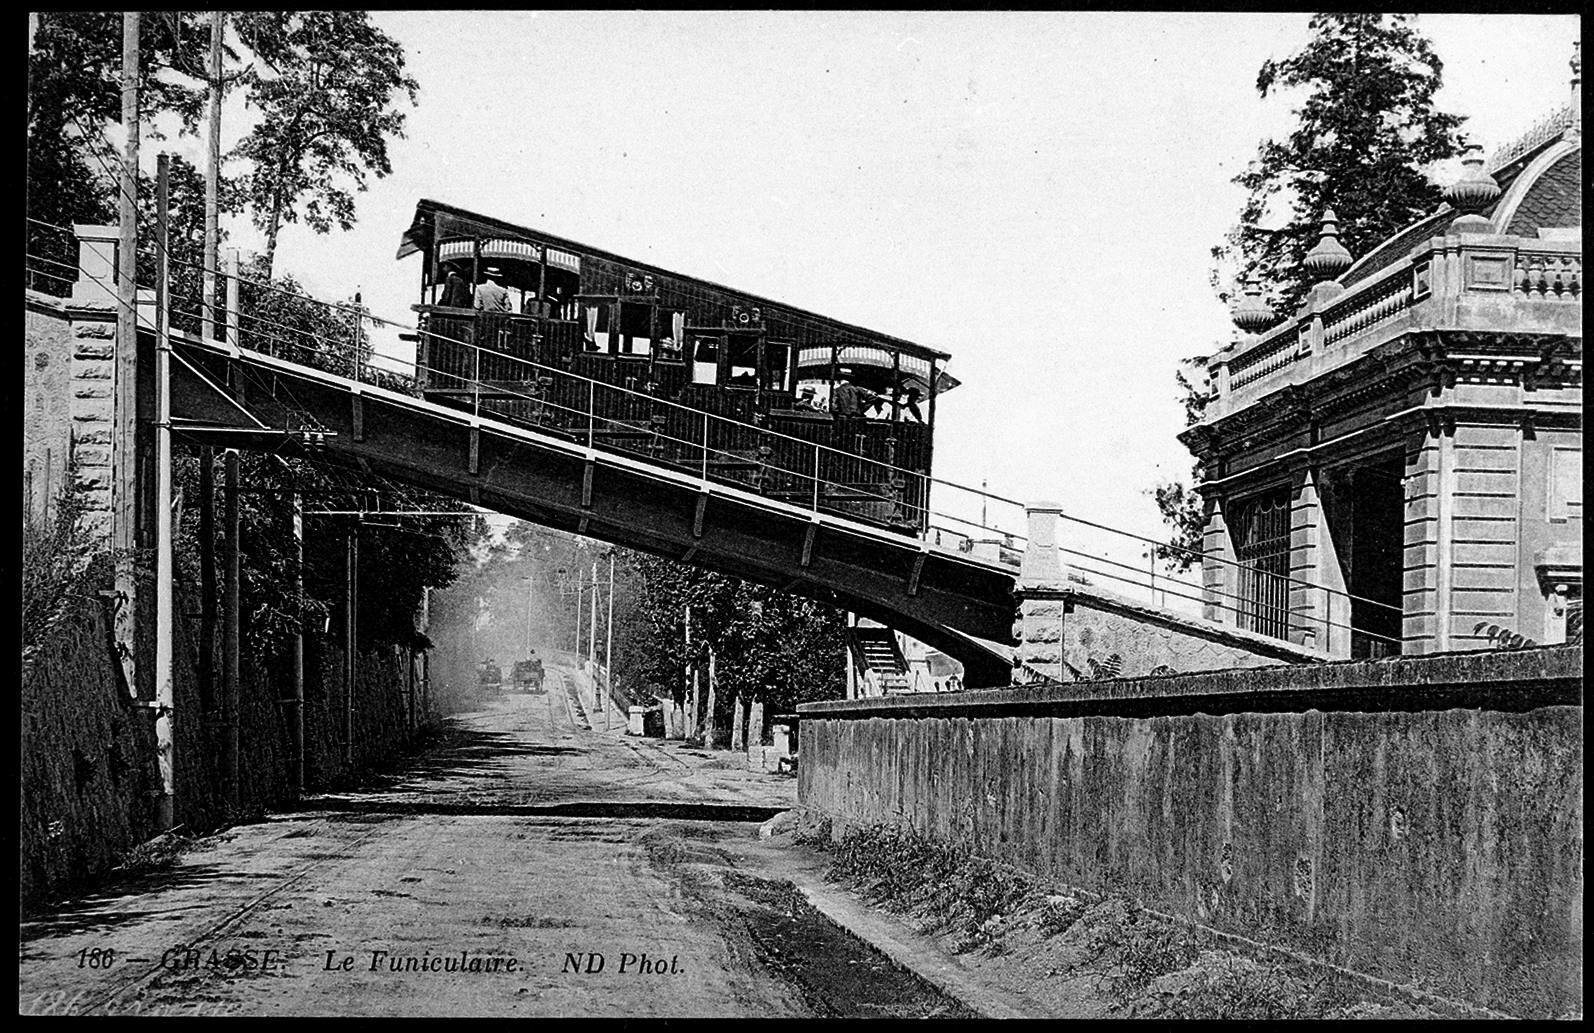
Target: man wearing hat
(490, 296)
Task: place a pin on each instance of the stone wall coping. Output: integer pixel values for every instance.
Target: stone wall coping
(47, 302)
(1100, 599)
(1499, 680)
(56, 305)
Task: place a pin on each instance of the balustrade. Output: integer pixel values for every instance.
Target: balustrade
(1548, 276)
(1368, 307)
(1273, 353)
(1540, 275)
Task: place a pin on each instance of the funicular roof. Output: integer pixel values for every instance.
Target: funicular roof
(435, 221)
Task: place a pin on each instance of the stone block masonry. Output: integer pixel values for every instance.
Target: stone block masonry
(1415, 820)
(69, 376)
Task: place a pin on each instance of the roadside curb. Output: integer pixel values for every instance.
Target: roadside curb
(881, 933)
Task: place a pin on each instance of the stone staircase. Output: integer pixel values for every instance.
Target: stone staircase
(879, 658)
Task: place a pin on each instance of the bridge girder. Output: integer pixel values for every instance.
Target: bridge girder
(961, 607)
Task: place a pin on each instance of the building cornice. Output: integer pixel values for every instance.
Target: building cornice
(1434, 358)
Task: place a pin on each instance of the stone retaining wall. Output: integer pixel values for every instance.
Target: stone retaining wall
(1419, 821)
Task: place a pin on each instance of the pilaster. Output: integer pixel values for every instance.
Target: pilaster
(1217, 571)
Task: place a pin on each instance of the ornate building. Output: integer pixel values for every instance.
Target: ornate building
(1396, 466)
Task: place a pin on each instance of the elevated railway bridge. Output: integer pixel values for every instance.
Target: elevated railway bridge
(606, 403)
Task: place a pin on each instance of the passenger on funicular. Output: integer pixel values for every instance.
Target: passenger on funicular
(456, 292)
(849, 400)
(910, 404)
(490, 296)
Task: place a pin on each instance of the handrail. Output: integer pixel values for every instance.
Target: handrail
(364, 313)
(378, 360)
(593, 417)
(908, 506)
(885, 468)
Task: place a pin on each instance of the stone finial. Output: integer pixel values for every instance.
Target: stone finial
(1328, 258)
(1475, 189)
(1576, 127)
(1252, 313)
(1472, 192)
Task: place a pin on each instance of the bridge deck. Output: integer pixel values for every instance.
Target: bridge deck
(951, 600)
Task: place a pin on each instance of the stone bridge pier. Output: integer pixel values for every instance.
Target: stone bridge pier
(1067, 632)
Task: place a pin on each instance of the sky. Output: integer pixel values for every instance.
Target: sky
(1035, 193)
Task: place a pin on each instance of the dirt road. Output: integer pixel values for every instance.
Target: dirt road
(531, 864)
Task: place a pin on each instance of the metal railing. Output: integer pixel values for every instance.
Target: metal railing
(718, 448)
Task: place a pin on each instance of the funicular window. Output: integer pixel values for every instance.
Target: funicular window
(777, 365)
(1262, 545)
(595, 326)
(672, 334)
(705, 360)
(636, 329)
(742, 360)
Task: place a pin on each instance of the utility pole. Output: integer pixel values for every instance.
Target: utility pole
(577, 572)
(164, 694)
(531, 584)
(296, 726)
(232, 630)
(207, 579)
(350, 638)
(212, 178)
(124, 522)
(592, 623)
(608, 649)
(592, 636)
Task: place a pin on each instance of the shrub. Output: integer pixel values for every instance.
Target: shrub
(60, 564)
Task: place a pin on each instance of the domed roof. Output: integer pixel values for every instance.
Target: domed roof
(1553, 200)
(1539, 180)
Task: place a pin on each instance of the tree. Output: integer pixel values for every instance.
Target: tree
(768, 645)
(1364, 134)
(74, 91)
(327, 96)
(1182, 508)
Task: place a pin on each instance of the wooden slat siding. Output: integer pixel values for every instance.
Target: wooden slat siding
(561, 348)
(1420, 560)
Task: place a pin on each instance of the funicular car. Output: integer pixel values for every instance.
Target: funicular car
(622, 355)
